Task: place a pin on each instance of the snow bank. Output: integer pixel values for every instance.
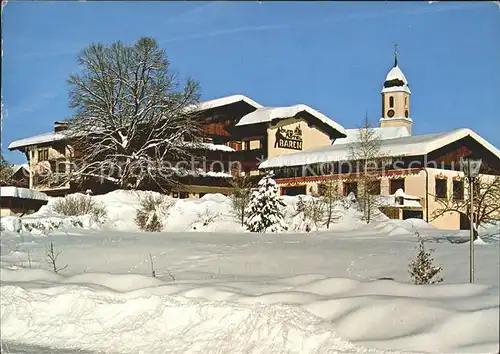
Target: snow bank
(300, 314)
(44, 225)
(211, 213)
(159, 324)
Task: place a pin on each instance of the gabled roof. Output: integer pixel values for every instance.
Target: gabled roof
(16, 168)
(405, 146)
(204, 105)
(268, 114)
(224, 101)
(37, 139)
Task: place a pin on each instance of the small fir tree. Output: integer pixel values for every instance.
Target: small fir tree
(264, 209)
(422, 269)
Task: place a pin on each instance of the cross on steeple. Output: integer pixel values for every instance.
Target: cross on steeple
(395, 54)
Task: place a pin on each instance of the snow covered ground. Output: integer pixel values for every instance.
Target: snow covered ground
(221, 290)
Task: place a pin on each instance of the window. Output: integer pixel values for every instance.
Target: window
(58, 166)
(458, 190)
(391, 102)
(246, 145)
(296, 190)
(43, 154)
(395, 184)
(406, 102)
(441, 191)
(183, 195)
(350, 187)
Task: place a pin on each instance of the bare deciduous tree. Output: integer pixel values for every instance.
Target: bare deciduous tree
(366, 153)
(486, 202)
(242, 191)
(131, 116)
(328, 191)
(52, 256)
(153, 271)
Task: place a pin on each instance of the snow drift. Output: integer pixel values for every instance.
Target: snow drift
(132, 313)
(211, 213)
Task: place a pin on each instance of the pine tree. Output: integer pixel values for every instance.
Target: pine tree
(264, 210)
(422, 269)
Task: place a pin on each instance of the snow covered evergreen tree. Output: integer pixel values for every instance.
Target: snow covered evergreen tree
(264, 210)
(422, 269)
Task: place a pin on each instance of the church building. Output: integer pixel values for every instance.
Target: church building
(420, 172)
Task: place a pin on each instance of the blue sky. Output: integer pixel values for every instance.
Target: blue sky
(332, 56)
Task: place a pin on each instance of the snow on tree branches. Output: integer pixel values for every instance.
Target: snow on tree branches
(264, 210)
(422, 269)
(366, 151)
(131, 115)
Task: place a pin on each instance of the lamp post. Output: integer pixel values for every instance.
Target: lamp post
(470, 167)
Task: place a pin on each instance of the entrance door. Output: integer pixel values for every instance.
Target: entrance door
(296, 190)
(464, 222)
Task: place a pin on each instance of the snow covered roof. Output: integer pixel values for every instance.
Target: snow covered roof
(208, 146)
(403, 146)
(382, 132)
(55, 136)
(400, 199)
(200, 173)
(268, 114)
(22, 193)
(396, 74)
(16, 168)
(223, 101)
(37, 139)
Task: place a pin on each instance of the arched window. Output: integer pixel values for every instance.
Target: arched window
(391, 102)
(406, 102)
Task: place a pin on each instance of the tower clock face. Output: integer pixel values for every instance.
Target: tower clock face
(390, 113)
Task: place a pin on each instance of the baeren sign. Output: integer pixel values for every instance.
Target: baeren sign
(289, 138)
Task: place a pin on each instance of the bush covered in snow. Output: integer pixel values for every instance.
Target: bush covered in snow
(51, 224)
(264, 210)
(78, 205)
(313, 213)
(152, 209)
(422, 269)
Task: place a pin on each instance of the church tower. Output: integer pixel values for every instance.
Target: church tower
(396, 98)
